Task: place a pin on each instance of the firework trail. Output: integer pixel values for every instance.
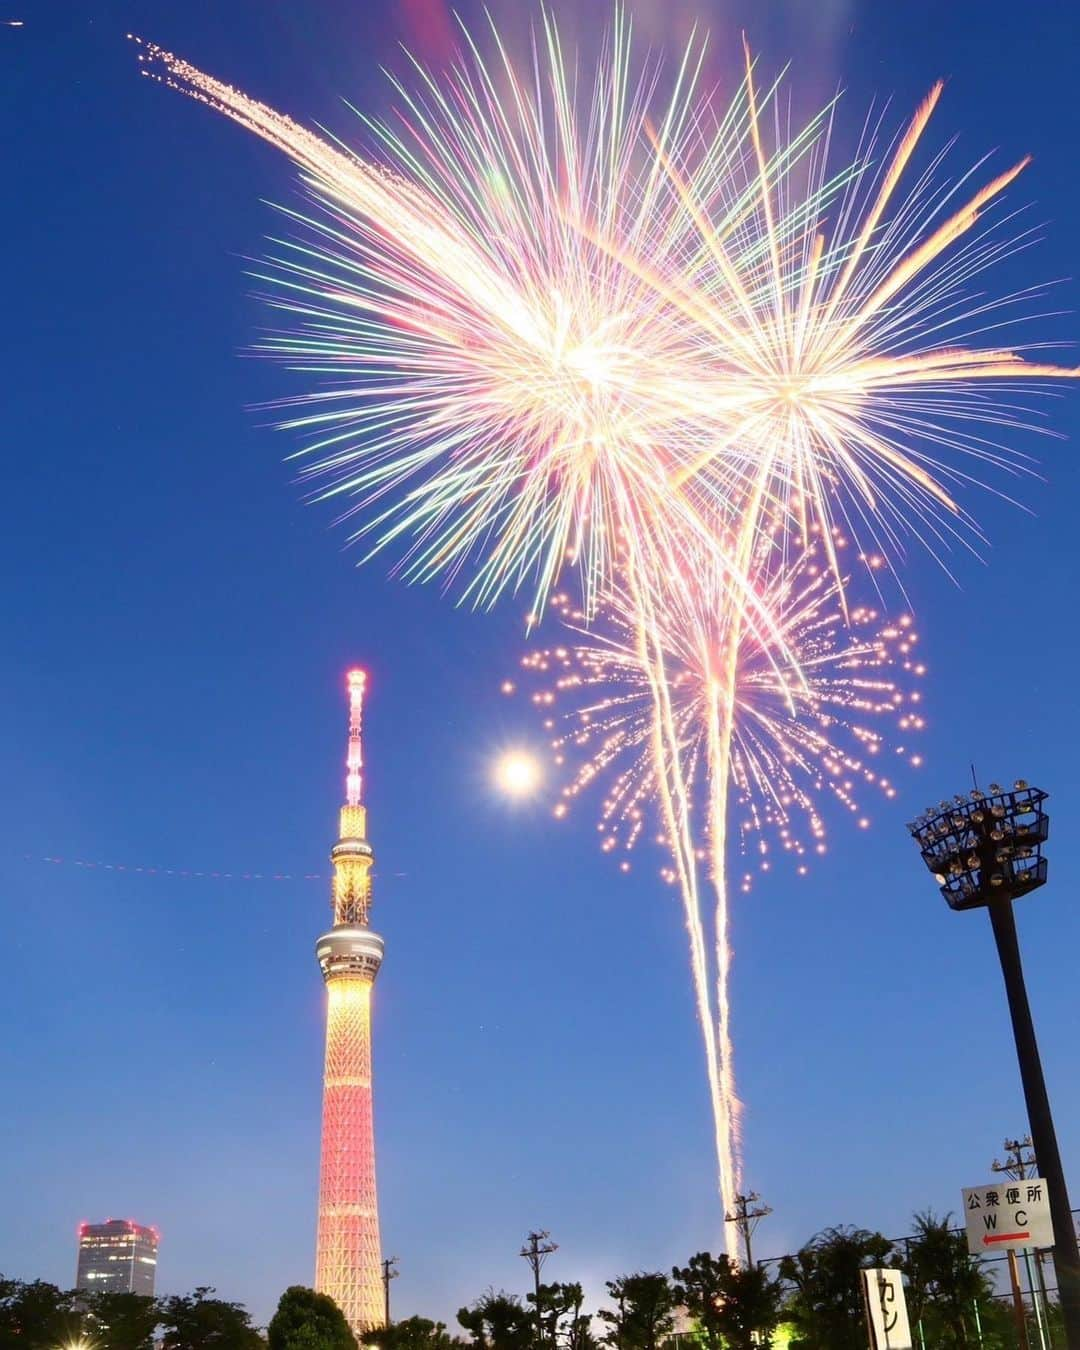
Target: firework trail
(793, 737)
(622, 326)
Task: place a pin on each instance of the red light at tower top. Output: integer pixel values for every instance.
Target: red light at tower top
(355, 680)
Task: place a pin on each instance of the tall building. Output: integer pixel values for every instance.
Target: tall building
(348, 1253)
(117, 1257)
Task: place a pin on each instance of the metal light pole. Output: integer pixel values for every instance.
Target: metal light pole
(985, 850)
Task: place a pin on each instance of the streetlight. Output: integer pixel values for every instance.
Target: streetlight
(985, 850)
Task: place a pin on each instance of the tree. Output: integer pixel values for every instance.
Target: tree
(825, 1304)
(413, 1333)
(734, 1308)
(945, 1282)
(36, 1315)
(644, 1304)
(562, 1322)
(700, 1288)
(119, 1321)
(199, 1322)
(497, 1321)
(305, 1320)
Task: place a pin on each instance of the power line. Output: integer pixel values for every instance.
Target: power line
(185, 873)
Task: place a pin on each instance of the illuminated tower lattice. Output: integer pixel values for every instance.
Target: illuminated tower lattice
(348, 1254)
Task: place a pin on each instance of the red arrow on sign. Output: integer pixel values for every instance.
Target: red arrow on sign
(1003, 1237)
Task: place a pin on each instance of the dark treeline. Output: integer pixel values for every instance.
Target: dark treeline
(808, 1301)
(39, 1316)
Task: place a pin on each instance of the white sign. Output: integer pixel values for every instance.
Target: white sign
(1008, 1214)
(886, 1310)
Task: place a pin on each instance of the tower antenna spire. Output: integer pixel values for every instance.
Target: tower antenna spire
(355, 760)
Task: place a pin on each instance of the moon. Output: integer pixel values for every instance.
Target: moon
(517, 773)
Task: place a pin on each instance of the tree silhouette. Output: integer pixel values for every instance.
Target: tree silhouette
(198, 1321)
(306, 1320)
(733, 1308)
(412, 1333)
(944, 1282)
(121, 1321)
(497, 1321)
(825, 1304)
(37, 1315)
(643, 1315)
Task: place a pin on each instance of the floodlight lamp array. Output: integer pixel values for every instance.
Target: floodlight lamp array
(985, 846)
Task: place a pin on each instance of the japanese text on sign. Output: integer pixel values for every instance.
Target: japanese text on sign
(886, 1310)
(1008, 1216)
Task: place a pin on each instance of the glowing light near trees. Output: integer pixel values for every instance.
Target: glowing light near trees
(616, 324)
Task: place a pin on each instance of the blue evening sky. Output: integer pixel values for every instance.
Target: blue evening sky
(176, 624)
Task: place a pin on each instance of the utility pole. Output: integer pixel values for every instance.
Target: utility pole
(538, 1247)
(1020, 1164)
(746, 1219)
(388, 1274)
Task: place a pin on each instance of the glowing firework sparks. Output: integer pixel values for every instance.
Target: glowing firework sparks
(792, 739)
(504, 392)
(794, 736)
(847, 369)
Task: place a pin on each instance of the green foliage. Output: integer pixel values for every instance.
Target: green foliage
(699, 1287)
(824, 1306)
(199, 1322)
(562, 1322)
(944, 1282)
(306, 1320)
(121, 1321)
(413, 1333)
(37, 1316)
(816, 1304)
(643, 1315)
(497, 1321)
(733, 1308)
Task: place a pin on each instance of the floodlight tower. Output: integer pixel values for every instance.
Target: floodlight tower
(348, 1257)
(985, 850)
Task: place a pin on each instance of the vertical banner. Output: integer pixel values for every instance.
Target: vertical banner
(886, 1310)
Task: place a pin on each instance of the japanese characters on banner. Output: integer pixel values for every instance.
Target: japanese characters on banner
(1013, 1214)
(886, 1310)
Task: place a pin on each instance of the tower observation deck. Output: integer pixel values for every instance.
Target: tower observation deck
(348, 1253)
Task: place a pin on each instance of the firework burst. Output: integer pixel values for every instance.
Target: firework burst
(800, 731)
(501, 392)
(546, 319)
(859, 376)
